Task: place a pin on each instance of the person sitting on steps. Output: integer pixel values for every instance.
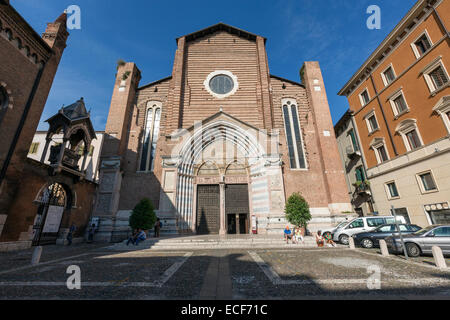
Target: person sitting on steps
(329, 240)
(140, 237)
(319, 239)
(287, 234)
(298, 235)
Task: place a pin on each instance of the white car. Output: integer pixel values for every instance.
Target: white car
(363, 224)
(332, 230)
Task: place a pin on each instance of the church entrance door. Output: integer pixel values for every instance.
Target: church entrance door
(237, 208)
(208, 209)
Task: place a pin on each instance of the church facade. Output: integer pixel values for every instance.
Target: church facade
(220, 145)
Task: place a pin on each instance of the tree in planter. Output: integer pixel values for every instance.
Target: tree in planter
(143, 216)
(297, 211)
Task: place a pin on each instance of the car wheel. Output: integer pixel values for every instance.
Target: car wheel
(367, 243)
(343, 239)
(413, 249)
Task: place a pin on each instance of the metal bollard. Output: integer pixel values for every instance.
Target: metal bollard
(351, 243)
(439, 258)
(384, 248)
(36, 255)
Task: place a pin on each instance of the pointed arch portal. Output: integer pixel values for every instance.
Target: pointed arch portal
(222, 177)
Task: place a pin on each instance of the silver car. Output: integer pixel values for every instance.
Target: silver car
(422, 241)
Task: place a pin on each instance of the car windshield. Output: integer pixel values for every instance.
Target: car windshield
(423, 231)
(340, 225)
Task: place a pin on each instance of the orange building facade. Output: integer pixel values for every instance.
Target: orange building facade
(400, 103)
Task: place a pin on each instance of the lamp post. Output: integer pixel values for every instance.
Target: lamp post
(400, 232)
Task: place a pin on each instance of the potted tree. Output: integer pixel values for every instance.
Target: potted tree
(297, 211)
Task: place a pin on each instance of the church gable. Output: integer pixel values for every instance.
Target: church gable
(214, 53)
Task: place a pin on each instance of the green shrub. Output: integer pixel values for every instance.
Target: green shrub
(143, 216)
(297, 211)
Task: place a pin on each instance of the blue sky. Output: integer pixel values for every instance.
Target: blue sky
(332, 32)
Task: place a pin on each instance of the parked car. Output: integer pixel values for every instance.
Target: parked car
(330, 231)
(422, 241)
(371, 239)
(362, 224)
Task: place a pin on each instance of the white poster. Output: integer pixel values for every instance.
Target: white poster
(53, 220)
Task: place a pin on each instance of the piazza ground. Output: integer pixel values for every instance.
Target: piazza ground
(290, 273)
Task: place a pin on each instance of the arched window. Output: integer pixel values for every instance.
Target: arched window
(4, 102)
(293, 135)
(151, 134)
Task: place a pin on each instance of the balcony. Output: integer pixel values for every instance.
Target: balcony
(362, 187)
(352, 153)
(70, 158)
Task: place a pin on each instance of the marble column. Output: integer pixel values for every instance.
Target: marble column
(223, 229)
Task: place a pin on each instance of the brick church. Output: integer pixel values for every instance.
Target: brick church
(219, 145)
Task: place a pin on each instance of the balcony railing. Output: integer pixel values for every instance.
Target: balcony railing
(70, 158)
(352, 152)
(362, 187)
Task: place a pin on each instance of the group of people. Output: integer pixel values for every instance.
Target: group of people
(140, 235)
(296, 236)
(73, 228)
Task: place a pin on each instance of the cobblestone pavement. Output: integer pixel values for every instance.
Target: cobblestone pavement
(225, 274)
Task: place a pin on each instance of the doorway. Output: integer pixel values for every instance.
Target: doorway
(52, 203)
(237, 209)
(208, 209)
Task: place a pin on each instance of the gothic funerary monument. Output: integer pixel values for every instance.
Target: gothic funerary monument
(221, 144)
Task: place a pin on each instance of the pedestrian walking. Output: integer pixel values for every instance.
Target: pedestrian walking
(70, 234)
(158, 226)
(91, 233)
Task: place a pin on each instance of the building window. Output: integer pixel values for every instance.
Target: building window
(371, 121)
(392, 190)
(439, 77)
(360, 176)
(34, 148)
(91, 151)
(436, 75)
(293, 135)
(413, 139)
(388, 76)
(403, 212)
(221, 84)
(426, 182)
(421, 45)
(151, 135)
(4, 102)
(410, 134)
(442, 108)
(364, 97)
(398, 104)
(382, 154)
(353, 139)
(378, 145)
(439, 216)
